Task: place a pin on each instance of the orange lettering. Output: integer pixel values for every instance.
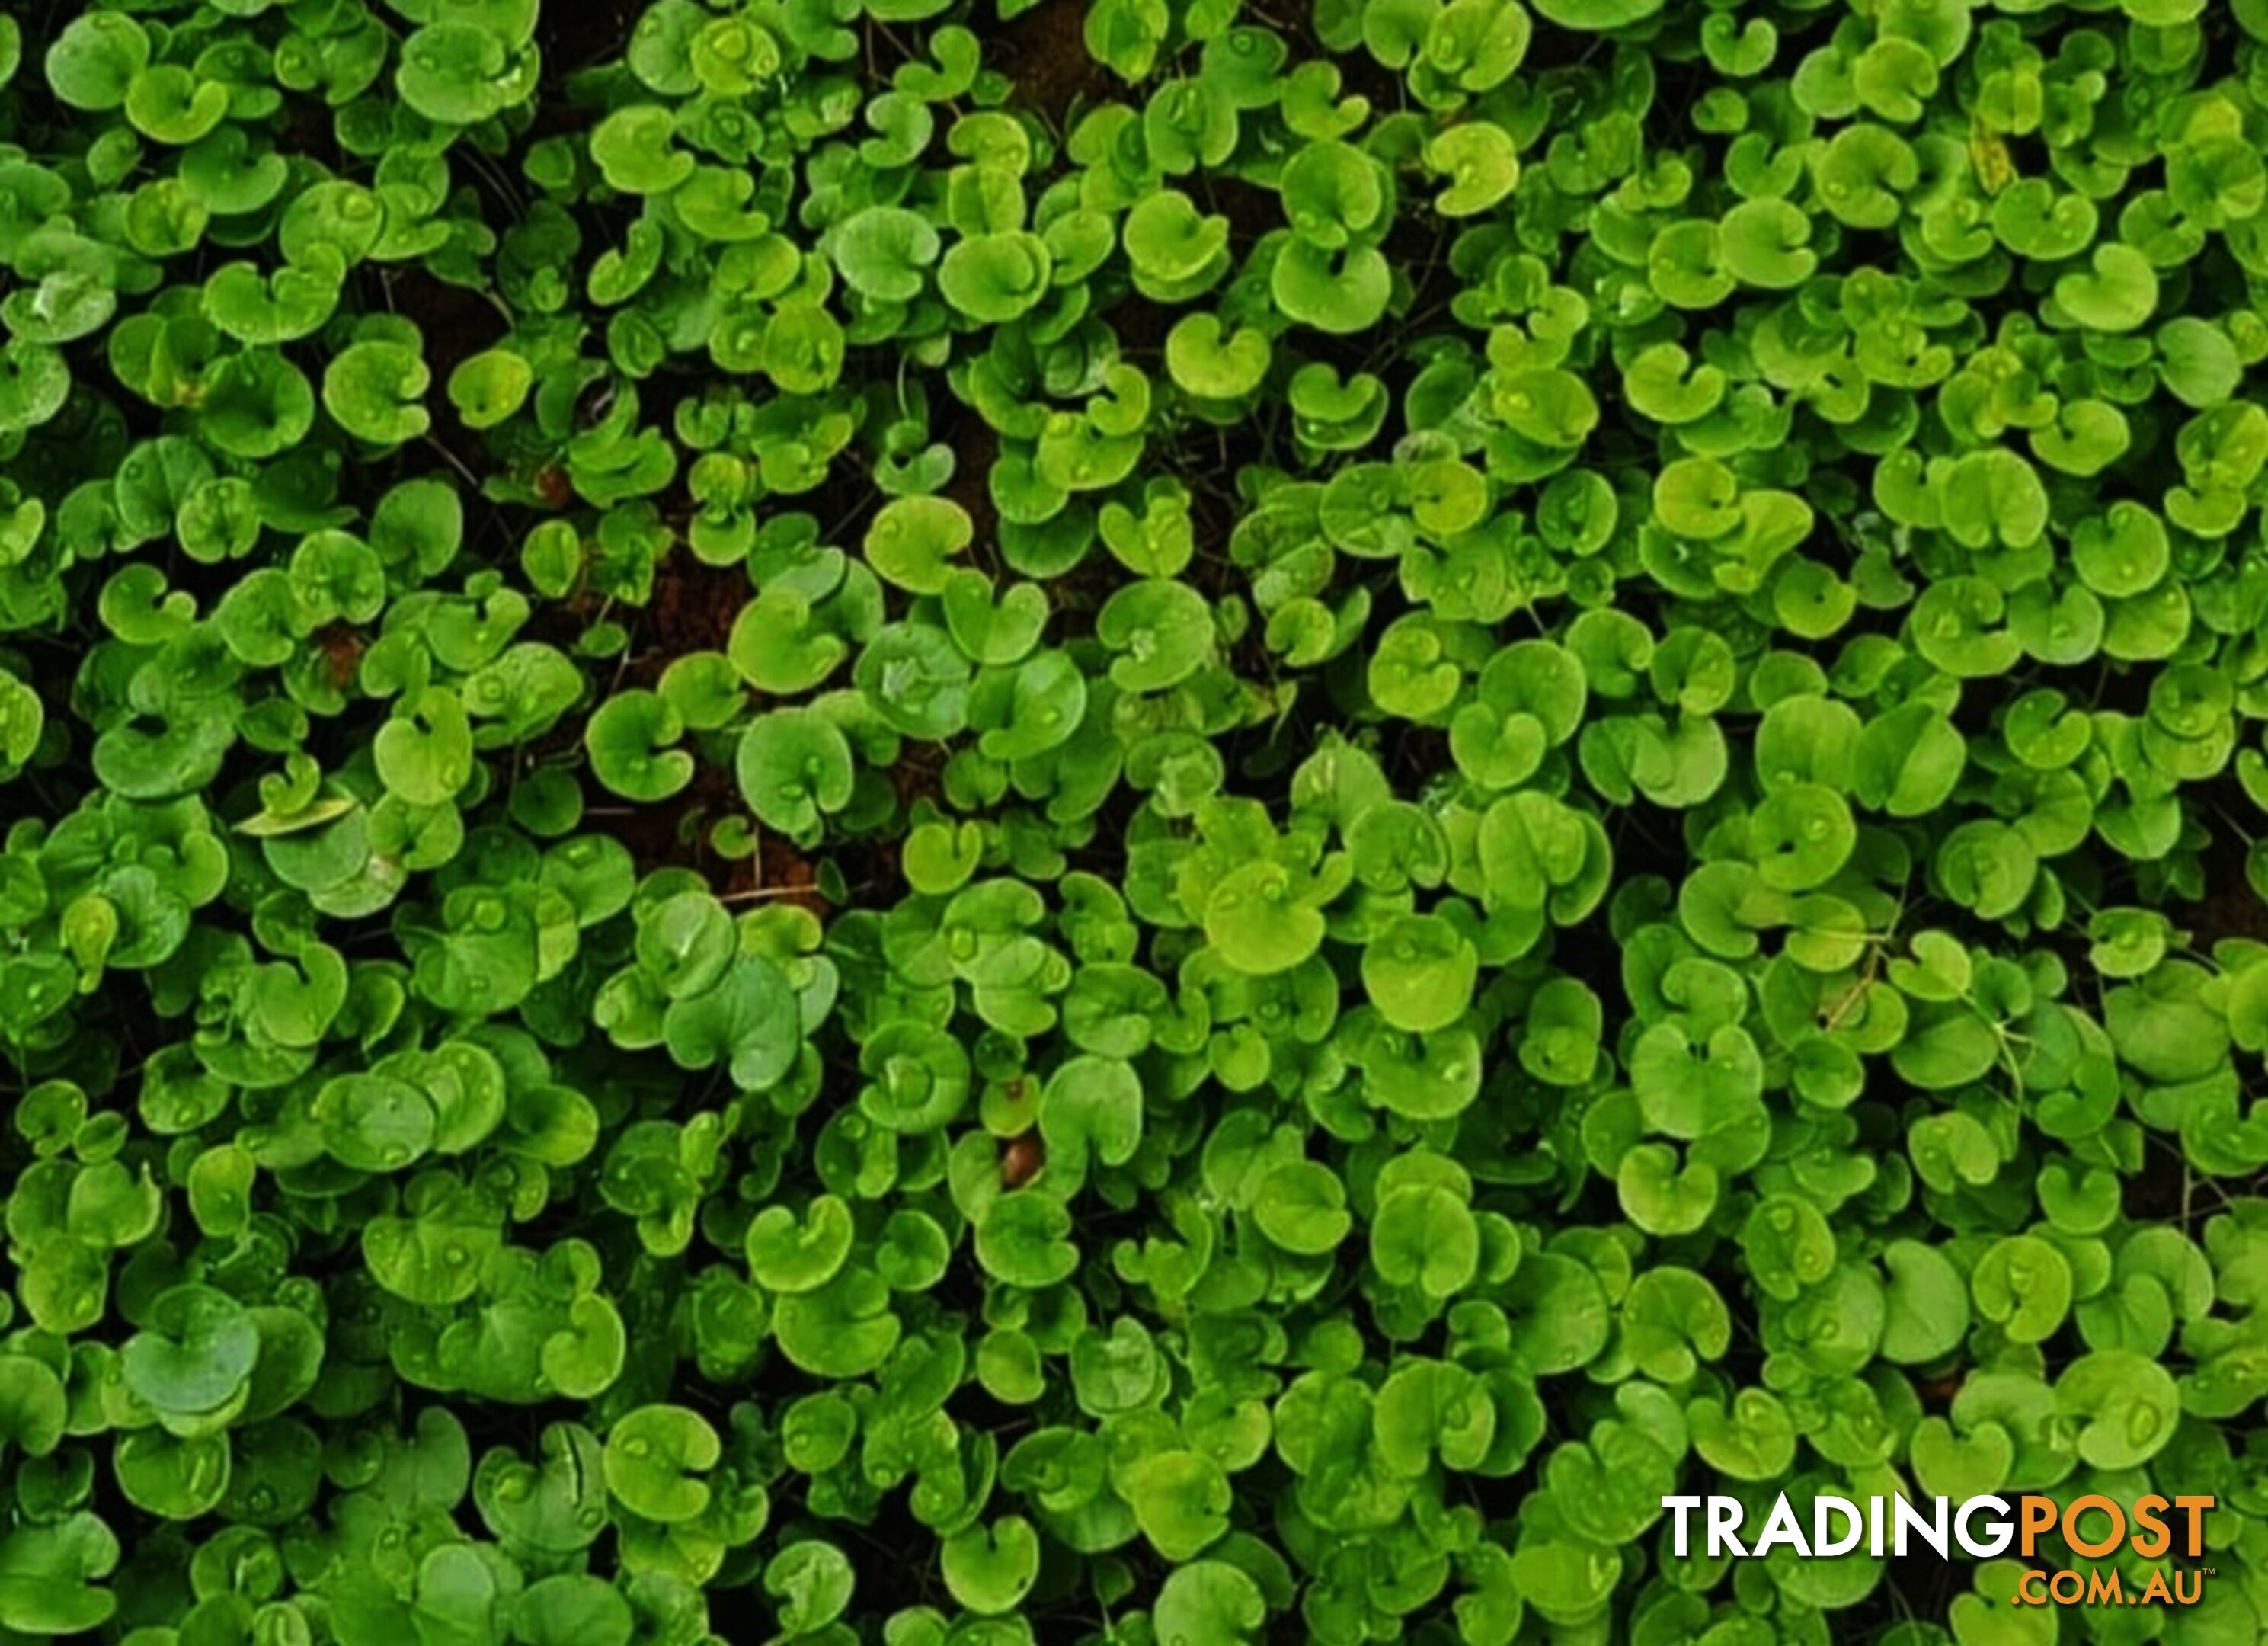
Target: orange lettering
(2152, 1539)
(2039, 1514)
(2195, 1508)
(2079, 1506)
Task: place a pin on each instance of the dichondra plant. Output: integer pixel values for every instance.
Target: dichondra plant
(1153, 821)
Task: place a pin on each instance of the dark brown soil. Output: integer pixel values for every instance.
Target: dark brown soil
(1251, 210)
(1044, 52)
(1937, 1392)
(919, 772)
(584, 33)
(783, 871)
(455, 324)
(2230, 908)
(2154, 1194)
(692, 608)
(1140, 326)
(975, 446)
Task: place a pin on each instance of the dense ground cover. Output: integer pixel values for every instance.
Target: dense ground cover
(1123, 822)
